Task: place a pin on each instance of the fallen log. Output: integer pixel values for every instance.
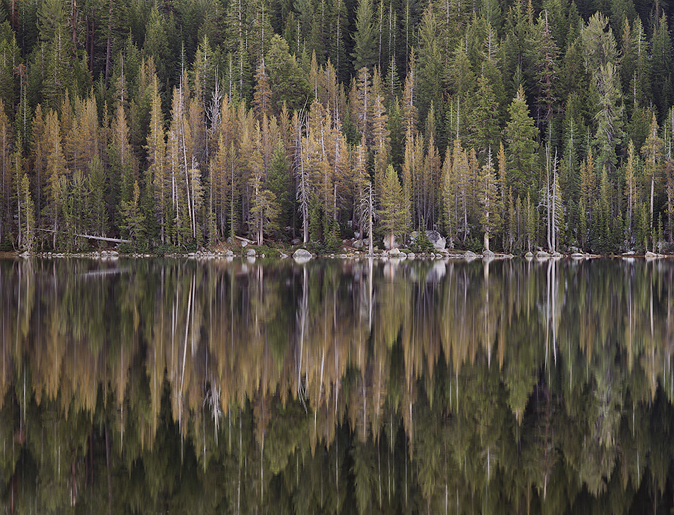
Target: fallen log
(92, 237)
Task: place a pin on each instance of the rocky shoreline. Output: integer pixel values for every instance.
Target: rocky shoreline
(303, 255)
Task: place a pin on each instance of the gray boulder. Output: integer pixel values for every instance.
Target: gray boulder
(250, 253)
(302, 255)
(391, 242)
(436, 239)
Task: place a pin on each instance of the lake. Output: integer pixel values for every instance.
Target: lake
(242, 386)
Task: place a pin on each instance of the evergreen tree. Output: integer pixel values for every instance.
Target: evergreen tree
(380, 134)
(520, 136)
(26, 215)
(490, 201)
(55, 171)
(448, 198)
(156, 45)
(287, 81)
(5, 172)
(262, 96)
(661, 44)
(392, 217)
(631, 193)
(430, 67)
(10, 63)
(264, 207)
(133, 221)
(365, 37)
(545, 54)
(98, 215)
(279, 183)
(652, 153)
(482, 124)
(338, 33)
(609, 134)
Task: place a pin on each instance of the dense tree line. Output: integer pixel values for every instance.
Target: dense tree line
(183, 123)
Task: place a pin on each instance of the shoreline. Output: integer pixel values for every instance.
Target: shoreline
(344, 253)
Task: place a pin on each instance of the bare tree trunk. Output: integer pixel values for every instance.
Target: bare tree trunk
(369, 211)
(108, 50)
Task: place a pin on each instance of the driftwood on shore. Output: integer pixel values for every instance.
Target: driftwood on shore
(92, 237)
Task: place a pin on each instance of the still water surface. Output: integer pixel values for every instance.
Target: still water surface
(151, 386)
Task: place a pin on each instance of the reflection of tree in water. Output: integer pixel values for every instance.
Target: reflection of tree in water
(360, 386)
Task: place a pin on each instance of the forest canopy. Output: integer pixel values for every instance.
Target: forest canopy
(182, 123)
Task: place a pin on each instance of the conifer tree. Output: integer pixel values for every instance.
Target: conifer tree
(460, 174)
(531, 223)
(337, 47)
(430, 177)
(449, 198)
(609, 132)
(55, 171)
(156, 157)
(5, 171)
(287, 80)
(26, 213)
(156, 44)
(490, 201)
(483, 131)
(588, 183)
(262, 95)
(631, 193)
(75, 214)
(380, 134)
(264, 207)
(430, 68)
(98, 216)
(10, 63)
(409, 109)
(361, 109)
(365, 38)
(544, 59)
(652, 153)
(133, 221)
(661, 44)
(669, 185)
(520, 136)
(391, 215)
(279, 183)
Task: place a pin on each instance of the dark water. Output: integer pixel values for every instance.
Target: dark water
(155, 386)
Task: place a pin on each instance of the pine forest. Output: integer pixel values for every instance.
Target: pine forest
(179, 124)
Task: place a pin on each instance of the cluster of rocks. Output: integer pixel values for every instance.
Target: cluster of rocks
(104, 255)
(541, 255)
(439, 243)
(352, 249)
